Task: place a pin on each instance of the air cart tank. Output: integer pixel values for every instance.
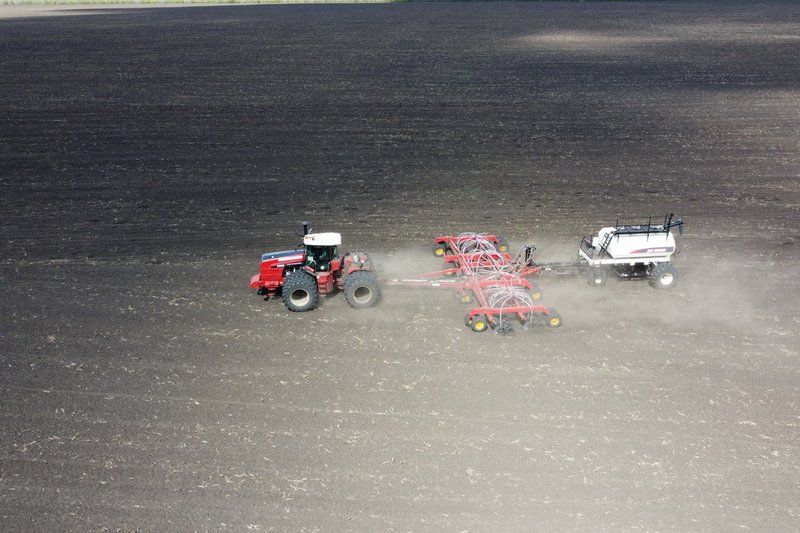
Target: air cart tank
(634, 242)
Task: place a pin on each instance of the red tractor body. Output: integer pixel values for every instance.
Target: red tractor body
(304, 274)
(273, 269)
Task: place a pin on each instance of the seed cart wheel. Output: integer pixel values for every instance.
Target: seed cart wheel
(439, 249)
(533, 321)
(464, 298)
(502, 246)
(479, 324)
(663, 276)
(361, 289)
(598, 276)
(300, 291)
(450, 266)
(536, 292)
(504, 328)
(553, 318)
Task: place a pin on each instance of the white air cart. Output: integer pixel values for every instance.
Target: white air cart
(632, 251)
(625, 251)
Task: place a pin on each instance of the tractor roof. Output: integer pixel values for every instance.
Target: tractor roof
(322, 239)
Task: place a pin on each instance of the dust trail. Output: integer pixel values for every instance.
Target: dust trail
(720, 295)
(730, 294)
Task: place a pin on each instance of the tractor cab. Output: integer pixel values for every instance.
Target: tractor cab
(321, 251)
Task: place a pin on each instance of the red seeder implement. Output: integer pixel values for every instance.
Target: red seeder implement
(481, 270)
(446, 244)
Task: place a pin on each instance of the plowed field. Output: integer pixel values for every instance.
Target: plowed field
(149, 156)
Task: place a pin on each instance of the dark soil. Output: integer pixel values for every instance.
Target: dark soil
(149, 156)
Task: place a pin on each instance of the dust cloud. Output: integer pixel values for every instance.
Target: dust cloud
(710, 294)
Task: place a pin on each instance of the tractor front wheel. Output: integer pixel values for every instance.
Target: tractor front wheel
(300, 291)
(361, 289)
(663, 276)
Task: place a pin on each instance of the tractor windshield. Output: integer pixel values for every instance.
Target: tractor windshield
(319, 257)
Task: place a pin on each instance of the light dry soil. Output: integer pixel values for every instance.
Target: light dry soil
(149, 156)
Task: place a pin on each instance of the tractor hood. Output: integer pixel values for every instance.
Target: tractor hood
(286, 256)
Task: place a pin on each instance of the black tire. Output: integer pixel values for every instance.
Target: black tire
(553, 319)
(663, 276)
(465, 297)
(598, 276)
(440, 249)
(450, 265)
(502, 246)
(503, 328)
(535, 292)
(300, 291)
(361, 289)
(533, 321)
(479, 324)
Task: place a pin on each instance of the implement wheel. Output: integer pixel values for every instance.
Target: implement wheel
(533, 321)
(439, 249)
(553, 319)
(300, 291)
(598, 276)
(503, 328)
(361, 289)
(663, 276)
(536, 292)
(479, 324)
(502, 246)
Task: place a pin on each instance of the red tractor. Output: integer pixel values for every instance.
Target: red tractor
(315, 269)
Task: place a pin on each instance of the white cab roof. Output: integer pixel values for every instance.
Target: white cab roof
(323, 239)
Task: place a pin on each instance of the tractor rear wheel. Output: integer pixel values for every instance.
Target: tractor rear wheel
(300, 291)
(361, 289)
(663, 276)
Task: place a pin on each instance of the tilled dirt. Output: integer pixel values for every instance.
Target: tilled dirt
(149, 156)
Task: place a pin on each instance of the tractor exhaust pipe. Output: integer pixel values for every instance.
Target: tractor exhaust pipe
(305, 228)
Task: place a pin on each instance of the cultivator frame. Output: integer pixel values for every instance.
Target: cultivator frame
(450, 243)
(480, 270)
